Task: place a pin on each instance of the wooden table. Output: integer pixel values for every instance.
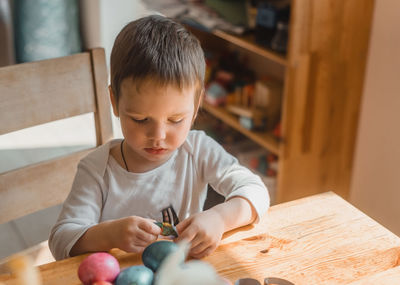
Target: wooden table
(320, 239)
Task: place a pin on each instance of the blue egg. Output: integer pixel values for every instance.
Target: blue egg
(135, 275)
(156, 252)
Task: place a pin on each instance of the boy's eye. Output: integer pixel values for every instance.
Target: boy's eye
(176, 121)
(139, 121)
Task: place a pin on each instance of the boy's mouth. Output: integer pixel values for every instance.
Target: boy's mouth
(155, 150)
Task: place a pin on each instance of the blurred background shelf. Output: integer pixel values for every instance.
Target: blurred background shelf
(248, 42)
(264, 139)
(322, 87)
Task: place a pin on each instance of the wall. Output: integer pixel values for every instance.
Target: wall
(375, 185)
(102, 20)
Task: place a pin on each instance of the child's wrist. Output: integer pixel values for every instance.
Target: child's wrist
(218, 216)
(101, 236)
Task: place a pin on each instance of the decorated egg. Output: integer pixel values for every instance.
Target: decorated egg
(155, 253)
(137, 275)
(174, 271)
(100, 266)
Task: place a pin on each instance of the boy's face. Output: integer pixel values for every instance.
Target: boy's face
(155, 121)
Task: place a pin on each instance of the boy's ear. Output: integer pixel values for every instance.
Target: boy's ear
(113, 100)
(198, 106)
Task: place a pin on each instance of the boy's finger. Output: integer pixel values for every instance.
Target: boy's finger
(140, 243)
(146, 237)
(199, 247)
(196, 242)
(136, 249)
(205, 252)
(186, 234)
(150, 227)
(183, 225)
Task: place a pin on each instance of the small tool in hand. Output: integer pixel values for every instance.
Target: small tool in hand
(167, 229)
(170, 220)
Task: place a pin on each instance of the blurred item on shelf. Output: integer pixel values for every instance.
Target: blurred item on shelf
(215, 94)
(234, 11)
(250, 118)
(254, 124)
(251, 9)
(280, 39)
(277, 131)
(217, 90)
(194, 13)
(268, 97)
(224, 74)
(258, 105)
(269, 14)
(243, 95)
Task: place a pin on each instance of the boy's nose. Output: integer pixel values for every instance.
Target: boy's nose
(157, 132)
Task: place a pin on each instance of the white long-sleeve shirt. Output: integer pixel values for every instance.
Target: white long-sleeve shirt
(103, 190)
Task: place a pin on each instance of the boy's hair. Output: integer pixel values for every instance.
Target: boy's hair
(159, 49)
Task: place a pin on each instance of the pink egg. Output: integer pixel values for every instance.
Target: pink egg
(102, 283)
(100, 266)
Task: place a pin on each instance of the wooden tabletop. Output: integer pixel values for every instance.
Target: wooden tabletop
(320, 239)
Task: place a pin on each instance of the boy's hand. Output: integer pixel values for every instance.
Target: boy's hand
(203, 230)
(133, 234)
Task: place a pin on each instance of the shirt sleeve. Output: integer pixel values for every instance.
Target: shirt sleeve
(227, 176)
(80, 211)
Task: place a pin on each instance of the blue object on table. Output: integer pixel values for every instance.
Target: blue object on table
(154, 254)
(137, 274)
(46, 29)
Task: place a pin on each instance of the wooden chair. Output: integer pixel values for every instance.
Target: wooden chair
(40, 92)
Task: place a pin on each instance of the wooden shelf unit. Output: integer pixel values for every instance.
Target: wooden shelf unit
(323, 77)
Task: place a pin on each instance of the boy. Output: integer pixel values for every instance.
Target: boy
(161, 169)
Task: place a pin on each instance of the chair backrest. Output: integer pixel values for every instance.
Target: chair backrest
(40, 92)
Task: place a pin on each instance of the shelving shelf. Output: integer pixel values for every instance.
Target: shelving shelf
(265, 139)
(311, 162)
(248, 42)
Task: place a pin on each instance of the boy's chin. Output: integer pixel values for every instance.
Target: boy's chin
(157, 157)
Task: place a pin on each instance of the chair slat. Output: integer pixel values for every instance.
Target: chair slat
(67, 82)
(38, 186)
(44, 91)
(102, 118)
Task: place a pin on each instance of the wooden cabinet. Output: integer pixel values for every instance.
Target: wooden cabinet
(323, 76)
